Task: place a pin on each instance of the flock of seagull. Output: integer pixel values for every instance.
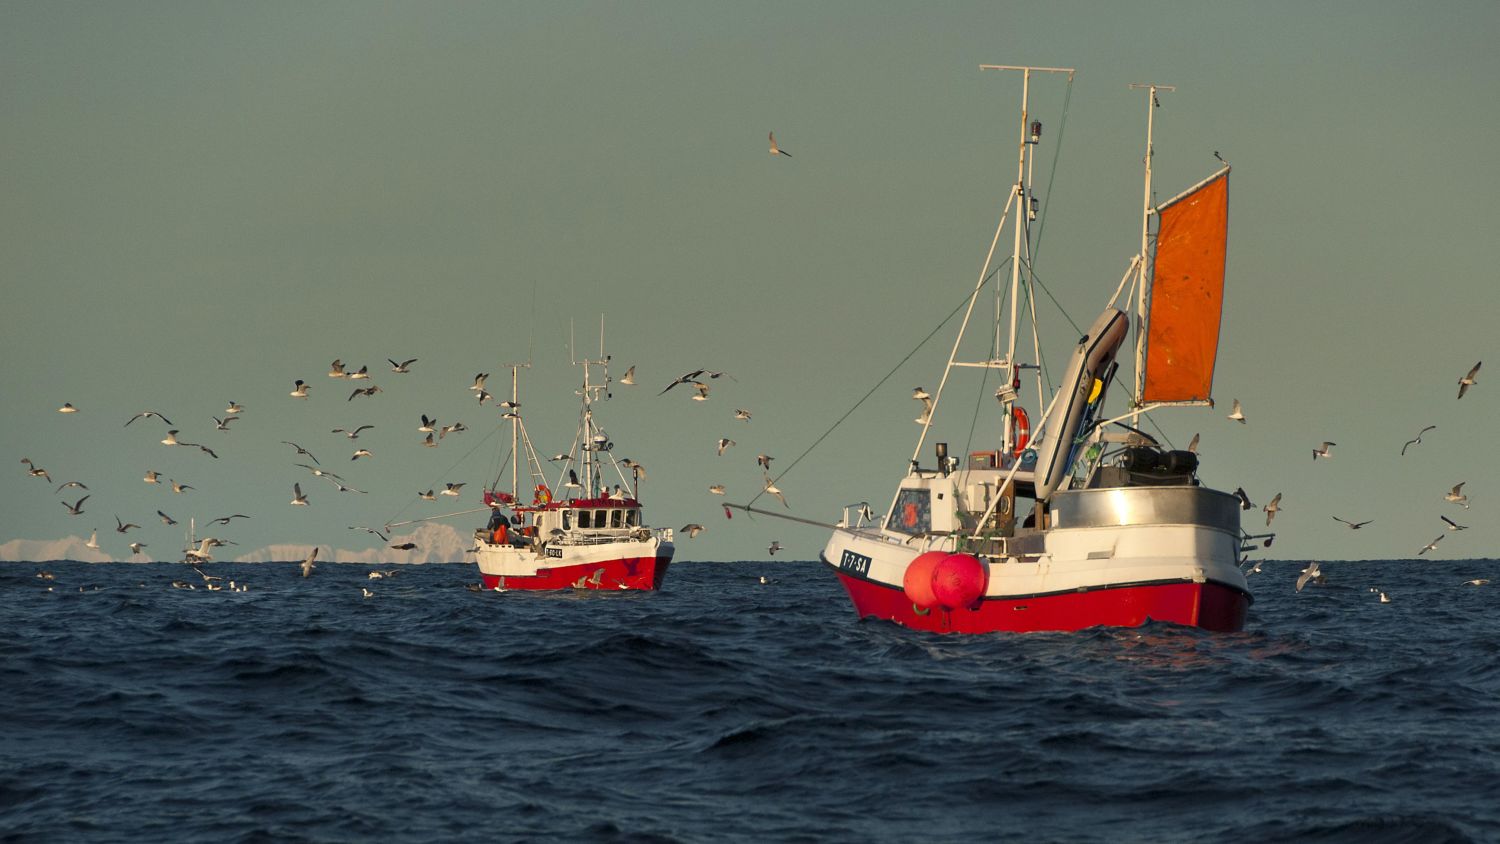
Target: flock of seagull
(1312, 573)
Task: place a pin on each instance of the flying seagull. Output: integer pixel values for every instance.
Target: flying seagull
(307, 564)
(405, 546)
(1417, 440)
(178, 488)
(147, 413)
(75, 509)
(686, 378)
(1353, 525)
(67, 408)
(1452, 525)
(300, 391)
(121, 527)
(298, 498)
(165, 519)
(34, 471)
(61, 487)
(1193, 446)
(367, 391)
(1457, 496)
(774, 547)
(1238, 414)
(336, 369)
(362, 375)
(1239, 492)
(922, 396)
(692, 529)
(629, 377)
(717, 489)
(351, 434)
(224, 520)
(1431, 546)
(234, 407)
(152, 476)
(362, 452)
(742, 414)
(403, 366)
(1324, 451)
(1311, 572)
(301, 450)
(1469, 380)
(776, 150)
(223, 424)
(1272, 509)
(452, 489)
(724, 442)
(478, 385)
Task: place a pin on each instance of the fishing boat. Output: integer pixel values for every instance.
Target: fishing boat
(582, 531)
(1090, 520)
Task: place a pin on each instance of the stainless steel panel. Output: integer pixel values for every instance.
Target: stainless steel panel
(1154, 505)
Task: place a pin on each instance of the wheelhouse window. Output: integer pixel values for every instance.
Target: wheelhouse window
(601, 518)
(632, 518)
(912, 513)
(615, 517)
(567, 519)
(583, 518)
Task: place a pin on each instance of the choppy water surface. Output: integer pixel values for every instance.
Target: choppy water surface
(724, 709)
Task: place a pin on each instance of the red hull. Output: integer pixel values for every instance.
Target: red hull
(631, 573)
(1208, 605)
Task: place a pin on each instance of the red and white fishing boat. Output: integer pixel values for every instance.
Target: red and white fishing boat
(1089, 521)
(586, 535)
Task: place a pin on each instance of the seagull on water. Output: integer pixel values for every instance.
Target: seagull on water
(1324, 450)
(1311, 572)
(1477, 581)
(300, 391)
(298, 498)
(1469, 380)
(1417, 440)
(402, 367)
(1457, 496)
(1353, 525)
(1384, 598)
(1238, 413)
(776, 150)
(378, 574)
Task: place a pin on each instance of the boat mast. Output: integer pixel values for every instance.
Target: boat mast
(515, 430)
(1143, 266)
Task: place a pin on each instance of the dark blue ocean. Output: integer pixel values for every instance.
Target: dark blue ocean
(721, 709)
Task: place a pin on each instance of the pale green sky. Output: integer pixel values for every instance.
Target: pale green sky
(203, 202)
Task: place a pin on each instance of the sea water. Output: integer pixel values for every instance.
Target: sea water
(726, 709)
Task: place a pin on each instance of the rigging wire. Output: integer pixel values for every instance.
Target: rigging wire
(461, 459)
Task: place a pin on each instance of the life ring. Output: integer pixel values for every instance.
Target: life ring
(543, 495)
(1022, 424)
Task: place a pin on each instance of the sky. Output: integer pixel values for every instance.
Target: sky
(202, 202)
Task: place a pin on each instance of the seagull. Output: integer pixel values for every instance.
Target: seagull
(724, 442)
(376, 575)
(366, 592)
(629, 376)
(1311, 572)
(1452, 525)
(776, 150)
(1193, 446)
(1431, 546)
(403, 366)
(351, 434)
(456, 427)
(342, 488)
(75, 509)
(405, 546)
(683, 379)
(301, 389)
(922, 396)
(234, 407)
(771, 488)
(383, 537)
(298, 498)
(1353, 525)
(147, 413)
(742, 414)
(34, 472)
(307, 564)
(319, 471)
(1239, 492)
(223, 424)
(121, 527)
(452, 489)
(165, 519)
(1238, 414)
(478, 385)
(774, 547)
(429, 442)
(367, 391)
(205, 449)
(764, 460)
(363, 452)
(561, 458)
(717, 489)
(428, 425)
(204, 551)
(1272, 509)
(1384, 598)
(1469, 380)
(224, 520)
(93, 540)
(1477, 581)
(178, 488)
(702, 391)
(427, 496)
(1255, 569)
(573, 480)
(135, 547)
(170, 438)
(301, 450)
(1457, 496)
(152, 476)
(512, 405)
(1323, 452)
(78, 484)
(362, 375)
(484, 395)
(67, 408)
(636, 470)
(336, 369)
(1417, 440)
(692, 529)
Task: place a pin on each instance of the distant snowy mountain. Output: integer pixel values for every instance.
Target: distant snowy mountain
(44, 550)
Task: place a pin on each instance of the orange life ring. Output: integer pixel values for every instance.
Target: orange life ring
(543, 495)
(1022, 424)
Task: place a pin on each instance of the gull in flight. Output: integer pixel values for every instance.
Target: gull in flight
(318, 471)
(171, 438)
(75, 509)
(1431, 546)
(702, 391)
(93, 540)
(165, 519)
(301, 450)
(405, 546)
(152, 476)
(223, 424)
(629, 376)
(771, 488)
(402, 367)
(62, 487)
(298, 498)
(687, 378)
(560, 458)
(429, 442)
(1238, 414)
(34, 471)
(717, 489)
(742, 414)
(307, 564)
(351, 434)
(1353, 525)
(774, 547)
(204, 552)
(342, 488)
(776, 150)
(67, 408)
(300, 391)
(922, 396)
(724, 442)
(1417, 440)
(362, 375)
(636, 470)
(455, 428)
(478, 385)
(484, 395)
(1272, 509)
(147, 413)
(135, 547)
(692, 530)
(234, 407)
(764, 461)
(427, 496)
(121, 527)
(178, 488)
(428, 425)
(367, 391)
(452, 489)
(1457, 496)
(224, 520)
(1311, 572)
(1452, 525)
(363, 452)
(383, 537)
(1323, 452)
(1245, 504)
(336, 370)
(1469, 380)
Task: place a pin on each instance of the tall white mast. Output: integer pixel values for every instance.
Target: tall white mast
(1143, 266)
(515, 430)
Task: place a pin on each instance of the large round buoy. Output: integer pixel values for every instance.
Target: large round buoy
(917, 583)
(1022, 423)
(958, 581)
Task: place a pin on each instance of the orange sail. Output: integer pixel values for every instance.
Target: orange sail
(1187, 294)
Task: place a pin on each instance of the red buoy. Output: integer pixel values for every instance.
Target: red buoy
(917, 583)
(958, 581)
